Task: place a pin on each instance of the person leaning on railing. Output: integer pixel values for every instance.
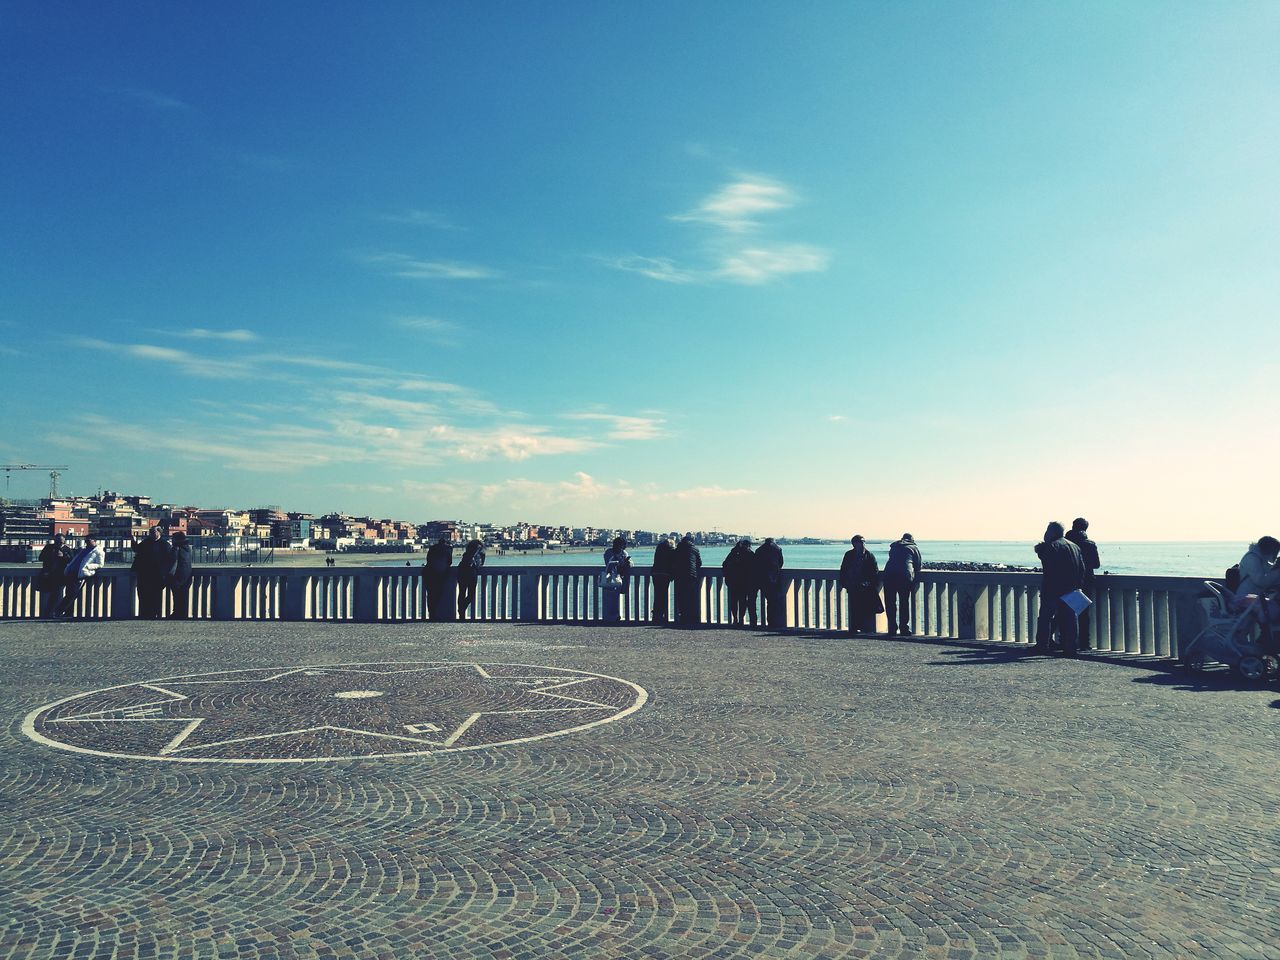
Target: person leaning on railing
(53, 560)
(178, 577)
(664, 570)
(1063, 573)
(468, 572)
(85, 564)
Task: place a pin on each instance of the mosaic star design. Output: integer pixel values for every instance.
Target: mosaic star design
(333, 712)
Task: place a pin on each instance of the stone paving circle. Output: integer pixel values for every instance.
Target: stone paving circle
(739, 794)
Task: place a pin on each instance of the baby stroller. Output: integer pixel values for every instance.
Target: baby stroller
(1228, 637)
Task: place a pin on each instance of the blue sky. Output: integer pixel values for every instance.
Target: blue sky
(789, 268)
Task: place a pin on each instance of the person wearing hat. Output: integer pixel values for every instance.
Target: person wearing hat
(900, 573)
(860, 575)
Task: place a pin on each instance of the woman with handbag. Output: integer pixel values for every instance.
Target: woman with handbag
(613, 580)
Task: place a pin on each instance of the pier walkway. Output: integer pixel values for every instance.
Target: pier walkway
(515, 790)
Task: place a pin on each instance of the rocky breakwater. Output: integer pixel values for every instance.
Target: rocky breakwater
(974, 566)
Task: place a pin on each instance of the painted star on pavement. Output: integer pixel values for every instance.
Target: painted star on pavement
(413, 708)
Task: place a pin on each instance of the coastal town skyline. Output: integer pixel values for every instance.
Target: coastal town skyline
(804, 270)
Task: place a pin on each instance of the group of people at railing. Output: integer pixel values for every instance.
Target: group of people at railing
(753, 578)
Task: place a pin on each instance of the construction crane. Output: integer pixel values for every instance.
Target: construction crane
(55, 474)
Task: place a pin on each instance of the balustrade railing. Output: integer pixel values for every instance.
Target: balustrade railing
(1143, 616)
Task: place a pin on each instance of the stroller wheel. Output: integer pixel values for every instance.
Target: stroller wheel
(1251, 668)
(1196, 662)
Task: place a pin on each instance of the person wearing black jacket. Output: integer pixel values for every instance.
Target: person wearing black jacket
(900, 573)
(860, 575)
(150, 565)
(739, 577)
(53, 560)
(179, 576)
(435, 575)
(1089, 552)
(468, 572)
(1062, 567)
(664, 569)
(768, 580)
(688, 574)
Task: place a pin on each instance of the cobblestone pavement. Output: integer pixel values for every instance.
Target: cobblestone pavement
(775, 796)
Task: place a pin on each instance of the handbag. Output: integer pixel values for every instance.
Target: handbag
(609, 579)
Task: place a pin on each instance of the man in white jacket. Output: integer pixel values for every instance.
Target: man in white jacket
(83, 565)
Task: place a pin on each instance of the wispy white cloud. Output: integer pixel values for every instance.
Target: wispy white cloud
(437, 329)
(736, 208)
(710, 493)
(760, 265)
(421, 218)
(519, 493)
(738, 205)
(182, 360)
(837, 418)
(625, 427)
(403, 265)
(655, 268)
(200, 333)
(149, 97)
(430, 386)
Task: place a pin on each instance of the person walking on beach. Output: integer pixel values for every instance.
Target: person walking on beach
(1089, 552)
(1062, 567)
(468, 572)
(53, 560)
(901, 570)
(739, 576)
(150, 565)
(664, 568)
(688, 575)
(85, 564)
(435, 576)
(768, 580)
(860, 575)
(613, 583)
(179, 576)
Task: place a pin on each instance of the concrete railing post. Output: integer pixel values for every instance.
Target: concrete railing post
(366, 599)
(294, 585)
(526, 588)
(123, 588)
(226, 586)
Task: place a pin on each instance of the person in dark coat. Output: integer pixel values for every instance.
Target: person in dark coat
(768, 580)
(1078, 534)
(664, 569)
(435, 575)
(860, 575)
(53, 560)
(739, 579)
(900, 573)
(688, 575)
(1062, 567)
(151, 565)
(179, 576)
(468, 572)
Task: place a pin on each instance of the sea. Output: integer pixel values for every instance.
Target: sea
(1191, 558)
